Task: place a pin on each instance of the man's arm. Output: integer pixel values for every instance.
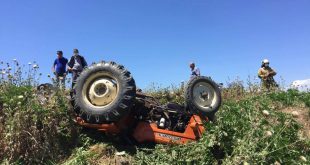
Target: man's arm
(84, 63)
(198, 72)
(272, 72)
(260, 74)
(70, 64)
(53, 67)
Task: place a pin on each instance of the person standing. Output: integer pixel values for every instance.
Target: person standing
(59, 69)
(76, 65)
(194, 70)
(266, 74)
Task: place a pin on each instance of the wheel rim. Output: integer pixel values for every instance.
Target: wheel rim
(99, 90)
(204, 95)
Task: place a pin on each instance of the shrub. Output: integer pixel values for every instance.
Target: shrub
(32, 133)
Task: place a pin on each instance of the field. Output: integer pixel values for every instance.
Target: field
(252, 127)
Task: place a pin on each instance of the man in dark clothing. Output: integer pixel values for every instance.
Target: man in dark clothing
(59, 69)
(76, 65)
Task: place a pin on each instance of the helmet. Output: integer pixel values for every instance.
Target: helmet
(265, 61)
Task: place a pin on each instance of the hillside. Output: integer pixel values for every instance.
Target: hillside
(255, 128)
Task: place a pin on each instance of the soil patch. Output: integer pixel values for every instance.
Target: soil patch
(301, 115)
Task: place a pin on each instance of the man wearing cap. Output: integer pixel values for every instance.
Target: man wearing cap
(76, 65)
(266, 74)
(59, 69)
(194, 70)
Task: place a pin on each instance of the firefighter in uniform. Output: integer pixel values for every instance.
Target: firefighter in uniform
(266, 74)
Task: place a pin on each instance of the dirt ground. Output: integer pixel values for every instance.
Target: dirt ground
(108, 156)
(301, 115)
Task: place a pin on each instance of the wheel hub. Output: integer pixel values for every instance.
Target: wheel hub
(102, 92)
(204, 95)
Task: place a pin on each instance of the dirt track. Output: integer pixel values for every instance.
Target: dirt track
(301, 115)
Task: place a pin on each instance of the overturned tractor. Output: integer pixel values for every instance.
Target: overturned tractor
(105, 98)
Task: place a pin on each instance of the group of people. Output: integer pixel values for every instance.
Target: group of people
(62, 67)
(265, 73)
(77, 63)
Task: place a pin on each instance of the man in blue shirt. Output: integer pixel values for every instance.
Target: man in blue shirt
(194, 70)
(59, 69)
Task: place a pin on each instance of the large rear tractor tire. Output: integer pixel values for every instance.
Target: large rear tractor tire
(104, 93)
(203, 96)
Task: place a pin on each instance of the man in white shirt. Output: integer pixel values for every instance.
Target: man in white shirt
(194, 70)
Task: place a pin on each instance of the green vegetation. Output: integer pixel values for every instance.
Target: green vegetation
(251, 128)
(243, 133)
(31, 132)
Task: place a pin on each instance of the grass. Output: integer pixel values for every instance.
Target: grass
(250, 129)
(241, 135)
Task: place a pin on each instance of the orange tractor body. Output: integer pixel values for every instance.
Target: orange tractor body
(149, 132)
